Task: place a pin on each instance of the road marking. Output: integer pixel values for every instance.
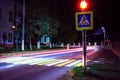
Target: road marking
(74, 63)
(40, 61)
(51, 64)
(80, 64)
(64, 63)
(51, 61)
(43, 61)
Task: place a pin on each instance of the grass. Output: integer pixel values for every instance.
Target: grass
(4, 50)
(105, 70)
(78, 72)
(109, 71)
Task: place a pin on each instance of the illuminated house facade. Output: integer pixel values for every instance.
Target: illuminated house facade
(10, 14)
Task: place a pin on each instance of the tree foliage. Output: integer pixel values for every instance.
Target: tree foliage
(52, 19)
(41, 22)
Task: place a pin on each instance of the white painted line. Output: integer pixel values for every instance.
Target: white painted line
(73, 63)
(56, 62)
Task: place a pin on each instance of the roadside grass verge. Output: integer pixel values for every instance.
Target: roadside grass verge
(109, 71)
(98, 71)
(4, 50)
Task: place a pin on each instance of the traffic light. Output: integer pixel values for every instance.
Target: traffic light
(83, 4)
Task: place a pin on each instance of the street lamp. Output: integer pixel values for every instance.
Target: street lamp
(13, 28)
(16, 30)
(105, 35)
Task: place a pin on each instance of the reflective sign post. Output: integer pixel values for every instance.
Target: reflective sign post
(84, 22)
(84, 54)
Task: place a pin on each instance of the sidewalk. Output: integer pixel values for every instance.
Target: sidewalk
(106, 67)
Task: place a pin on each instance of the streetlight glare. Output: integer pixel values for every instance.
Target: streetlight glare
(102, 28)
(83, 4)
(13, 27)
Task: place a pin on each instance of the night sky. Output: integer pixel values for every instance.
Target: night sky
(105, 13)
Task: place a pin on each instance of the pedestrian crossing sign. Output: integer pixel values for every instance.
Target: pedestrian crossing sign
(84, 20)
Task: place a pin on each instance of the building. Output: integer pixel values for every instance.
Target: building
(45, 39)
(10, 15)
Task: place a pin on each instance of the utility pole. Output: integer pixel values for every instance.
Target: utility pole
(23, 25)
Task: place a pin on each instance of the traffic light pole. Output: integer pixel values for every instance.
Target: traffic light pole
(84, 55)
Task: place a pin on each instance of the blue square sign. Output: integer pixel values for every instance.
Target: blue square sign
(84, 20)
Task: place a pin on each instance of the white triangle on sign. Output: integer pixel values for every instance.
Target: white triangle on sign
(84, 21)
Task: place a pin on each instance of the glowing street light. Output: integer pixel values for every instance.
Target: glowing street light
(13, 27)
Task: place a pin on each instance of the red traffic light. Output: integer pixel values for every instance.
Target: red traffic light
(83, 4)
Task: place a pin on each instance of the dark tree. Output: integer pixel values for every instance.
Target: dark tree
(4, 36)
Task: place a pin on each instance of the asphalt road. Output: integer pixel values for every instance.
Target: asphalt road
(42, 65)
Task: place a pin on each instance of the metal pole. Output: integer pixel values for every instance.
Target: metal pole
(23, 25)
(84, 56)
(104, 35)
(17, 35)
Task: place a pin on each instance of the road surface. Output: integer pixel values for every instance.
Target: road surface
(48, 65)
